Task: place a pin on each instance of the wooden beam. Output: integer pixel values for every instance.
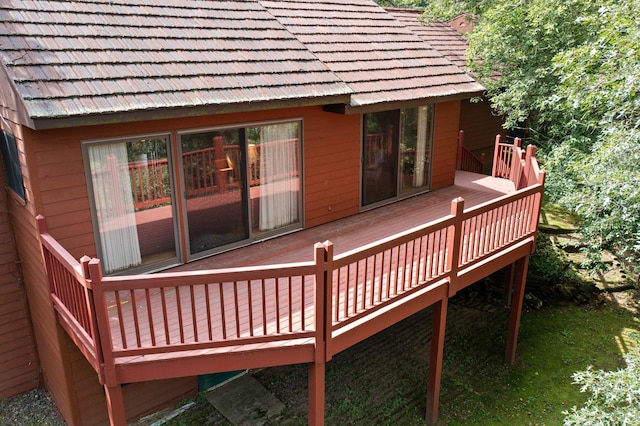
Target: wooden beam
(316, 393)
(435, 362)
(522, 266)
(115, 405)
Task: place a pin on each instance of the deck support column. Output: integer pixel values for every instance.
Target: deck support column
(509, 272)
(316, 393)
(115, 405)
(521, 268)
(435, 362)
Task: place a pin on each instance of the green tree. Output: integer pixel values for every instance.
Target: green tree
(402, 3)
(570, 70)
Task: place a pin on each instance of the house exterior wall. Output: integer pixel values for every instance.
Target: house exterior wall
(19, 366)
(445, 134)
(57, 188)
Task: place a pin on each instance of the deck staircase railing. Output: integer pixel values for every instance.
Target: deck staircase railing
(466, 160)
(323, 303)
(511, 161)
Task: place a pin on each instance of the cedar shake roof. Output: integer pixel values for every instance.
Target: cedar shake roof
(87, 61)
(440, 35)
(78, 58)
(379, 57)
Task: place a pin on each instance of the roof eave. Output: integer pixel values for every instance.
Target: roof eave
(391, 105)
(184, 112)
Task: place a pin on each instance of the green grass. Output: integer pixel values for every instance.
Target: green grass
(554, 343)
(477, 387)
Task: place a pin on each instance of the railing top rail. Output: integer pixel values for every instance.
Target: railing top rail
(391, 241)
(501, 201)
(62, 255)
(188, 278)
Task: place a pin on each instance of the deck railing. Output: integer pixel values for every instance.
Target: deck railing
(511, 161)
(113, 317)
(466, 160)
(323, 304)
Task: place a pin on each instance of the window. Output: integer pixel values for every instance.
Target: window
(134, 206)
(396, 154)
(11, 163)
(235, 184)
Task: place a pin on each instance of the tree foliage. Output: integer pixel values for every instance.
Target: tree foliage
(570, 70)
(614, 396)
(402, 3)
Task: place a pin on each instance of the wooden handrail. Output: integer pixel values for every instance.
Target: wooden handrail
(466, 160)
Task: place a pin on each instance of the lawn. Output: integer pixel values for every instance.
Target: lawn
(383, 379)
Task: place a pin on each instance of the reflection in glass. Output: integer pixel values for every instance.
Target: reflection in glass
(132, 195)
(379, 181)
(213, 185)
(415, 147)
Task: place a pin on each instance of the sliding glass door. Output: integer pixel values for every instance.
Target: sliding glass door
(396, 154)
(214, 188)
(237, 184)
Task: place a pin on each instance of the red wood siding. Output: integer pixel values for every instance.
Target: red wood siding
(47, 334)
(18, 359)
(480, 129)
(445, 136)
(332, 167)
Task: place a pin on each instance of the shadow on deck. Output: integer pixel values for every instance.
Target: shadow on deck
(293, 300)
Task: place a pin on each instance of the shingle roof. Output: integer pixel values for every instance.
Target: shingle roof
(79, 57)
(440, 35)
(375, 54)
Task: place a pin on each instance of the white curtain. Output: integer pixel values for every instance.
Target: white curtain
(119, 244)
(421, 148)
(278, 175)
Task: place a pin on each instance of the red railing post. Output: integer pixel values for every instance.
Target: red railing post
(460, 148)
(516, 158)
(101, 315)
(328, 299)
(496, 156)
(323, 257)
(453, 245)
(91, 310)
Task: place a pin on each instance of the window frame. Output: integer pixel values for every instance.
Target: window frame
(12, 166)
(149, 267)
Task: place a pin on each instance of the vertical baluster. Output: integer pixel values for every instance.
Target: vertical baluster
(277, 299)
(223, 317)
(180, 319)
(207, 301)
(121, 319)
(165, 316)
(264, 308)
(250, 302)
(194, 314)
(150, 317)
(134, 311)
(236, 307)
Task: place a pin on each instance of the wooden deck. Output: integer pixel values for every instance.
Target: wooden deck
(294, 300)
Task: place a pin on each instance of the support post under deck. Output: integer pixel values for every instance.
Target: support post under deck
(521, 268)
(115, 405)
(435, 362)
(316, 393)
